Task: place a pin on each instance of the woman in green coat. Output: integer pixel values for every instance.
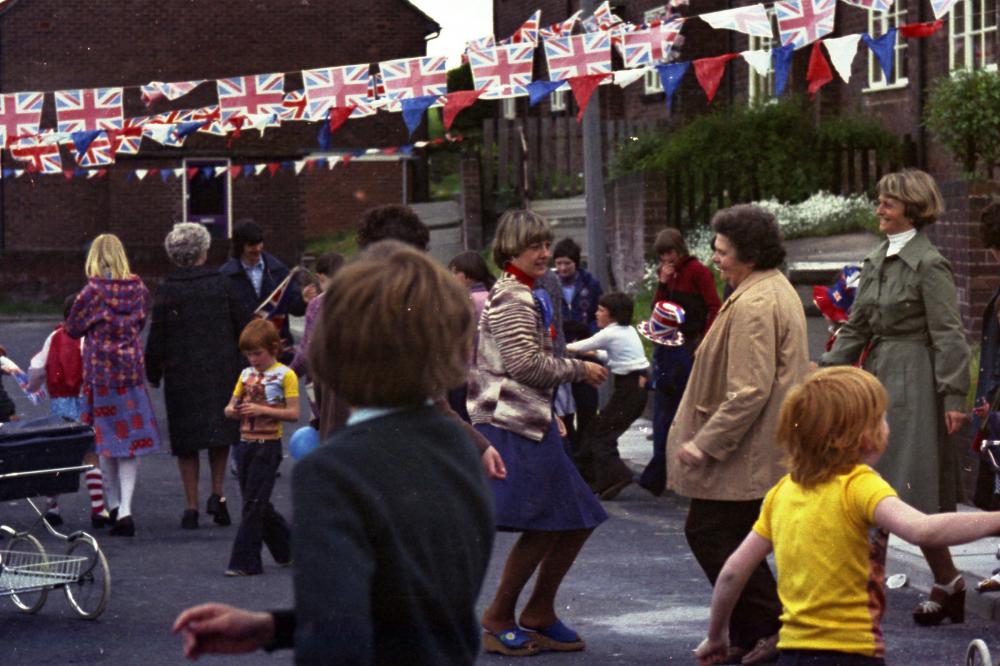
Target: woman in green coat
(905, 329)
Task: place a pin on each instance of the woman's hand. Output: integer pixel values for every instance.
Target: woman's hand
(711, 651)
(690, 455)
(493, 464)
(596, 373)
(666, 271)
(222, 629)
(953, 421)
(309, 292)
(561, 426)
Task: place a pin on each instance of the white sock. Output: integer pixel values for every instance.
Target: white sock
(109, 468)
(128, 468)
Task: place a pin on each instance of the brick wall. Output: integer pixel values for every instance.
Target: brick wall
(80, 44)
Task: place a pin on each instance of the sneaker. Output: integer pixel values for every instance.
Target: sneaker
(189, 521)
(53, 518)
(217, 508)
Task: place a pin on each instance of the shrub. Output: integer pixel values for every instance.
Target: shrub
(962, 113)
(823, 214)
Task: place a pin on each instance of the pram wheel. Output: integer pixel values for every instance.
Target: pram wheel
(88, 594)
(23, 559)
(978, 654)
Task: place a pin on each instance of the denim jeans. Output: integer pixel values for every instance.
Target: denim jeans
(257, 466)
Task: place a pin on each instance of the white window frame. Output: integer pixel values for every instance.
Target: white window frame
(880, 23)
(186, 183)
(557, 100)
(509, 108)
(651, 83)
(970, 34)
(761, 89)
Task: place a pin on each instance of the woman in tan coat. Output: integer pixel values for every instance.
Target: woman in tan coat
(721, 447)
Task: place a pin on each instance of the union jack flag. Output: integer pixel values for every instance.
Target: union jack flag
(415, 77)
(579, 55)
(802, 22)
(251, 95)
(42, 157)
(480, 44)
(376, 86)
(941, 7)
(157, 90)
(275, 307)
(211, 116)
(560, 29)
(750, 20)
(877, 5)
(505, 71)
(98, 153)
(20, 115)
(160, 128)
(127, 140)
(606, 19)
(648, 46)
(89, 109)
(528, 32)
(332, 87)
(294, 106)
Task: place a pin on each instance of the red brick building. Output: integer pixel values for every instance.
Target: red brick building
(49, 45)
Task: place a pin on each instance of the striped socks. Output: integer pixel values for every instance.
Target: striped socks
(95, 488)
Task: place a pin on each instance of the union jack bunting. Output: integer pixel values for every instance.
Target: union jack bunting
(160, 128)
(376, 86)
(211, 116)
(802, 22)
(332, 87)
(20, 115)
(294, 106)
(127, 140)
(98, 153)
(415, 77)
(560, 29)
(941, 7)
(480, 44)
(579, 55)
(606, 19)
(42, 157)
(648, 46)
(89, 109)
(505, 71)
(528, 32)
(157, 90)
(750, 20)
(251, 95)
(877, 5)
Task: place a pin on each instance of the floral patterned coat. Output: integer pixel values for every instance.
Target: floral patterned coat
(110, 314)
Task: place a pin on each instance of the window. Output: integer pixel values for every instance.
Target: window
(557, 100)
(879, 23)
(651, 82)
(972, 32)
(761, 88)
(208, 197)
(509, 108)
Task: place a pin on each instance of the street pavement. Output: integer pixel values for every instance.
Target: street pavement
(636, 594)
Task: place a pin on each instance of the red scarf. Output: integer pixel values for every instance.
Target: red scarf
(521, 276)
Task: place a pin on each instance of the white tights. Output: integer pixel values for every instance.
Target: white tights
(119, 483)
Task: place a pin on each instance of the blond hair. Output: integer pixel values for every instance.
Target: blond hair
(395, 329)
(106, 259)
(824, 419)
(516, 231)
(919, 193)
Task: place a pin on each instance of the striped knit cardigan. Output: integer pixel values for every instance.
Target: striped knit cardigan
(515, 373)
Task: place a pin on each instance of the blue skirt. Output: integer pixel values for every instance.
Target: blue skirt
(543, 490)
(123, 420)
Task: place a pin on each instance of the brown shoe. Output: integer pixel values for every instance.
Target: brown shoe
(765, 652)
(611, 492)
(945, 601)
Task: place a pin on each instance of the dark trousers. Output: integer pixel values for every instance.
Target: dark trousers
(665, 403)
(586, 398)
(826, 658)
(257, 466)
(714, 530)
(598, 459)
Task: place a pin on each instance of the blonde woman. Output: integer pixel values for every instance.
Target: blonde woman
(109, 314)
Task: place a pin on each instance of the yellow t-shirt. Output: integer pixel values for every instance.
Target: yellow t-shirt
(272, 387)
(831, 561)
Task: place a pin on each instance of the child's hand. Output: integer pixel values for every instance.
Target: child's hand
(252, 409)
(711, 651)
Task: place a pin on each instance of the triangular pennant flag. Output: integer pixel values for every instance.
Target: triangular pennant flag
(159, 132)
(346, 159)
(153, 171)
(141, 173)
(336, 116)
(165, 174)
(219, 170)
(942, 7)
(7, 172)
(259, 169)
(182, 130)
(68, 174)
(884, 48)
(819, 73)
(91, 173)
(414, 109)
(920, 30)
(191, 172)
(626, 77)
(320, 161)
(272, 167)
(782, 65)
(671, 75)
(583, 88)
(179, 172)
(299, 166)
(456, 102)
(235, 170)
(208, 172)
(539, 90)
(129, 176)
(18, 173)
(332, 161)
(709, 72)
(760, 60)
(247, 170)
(407, 149)
(842, 51)
(82, 140)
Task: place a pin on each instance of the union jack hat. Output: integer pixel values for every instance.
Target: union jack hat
(835, 301)
(663, 325)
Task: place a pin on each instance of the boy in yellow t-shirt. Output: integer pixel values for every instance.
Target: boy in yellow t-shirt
(828, 522)
(266, 394)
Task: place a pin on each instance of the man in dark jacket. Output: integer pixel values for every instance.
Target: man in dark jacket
(255, 274)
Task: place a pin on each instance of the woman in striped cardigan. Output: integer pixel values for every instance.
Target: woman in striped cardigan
(511, 388)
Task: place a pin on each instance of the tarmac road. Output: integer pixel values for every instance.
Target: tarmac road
(636, 595)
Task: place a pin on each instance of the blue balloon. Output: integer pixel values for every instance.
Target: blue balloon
(303, 441)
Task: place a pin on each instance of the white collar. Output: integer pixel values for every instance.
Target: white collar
(897, 241)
